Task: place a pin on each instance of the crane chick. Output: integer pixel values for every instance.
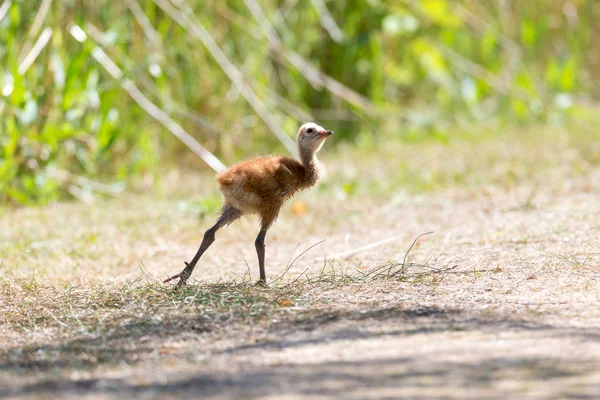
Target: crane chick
(261, 186)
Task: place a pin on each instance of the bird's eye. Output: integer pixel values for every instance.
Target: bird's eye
(309, 130)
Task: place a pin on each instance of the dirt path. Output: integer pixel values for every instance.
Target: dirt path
(514, 314)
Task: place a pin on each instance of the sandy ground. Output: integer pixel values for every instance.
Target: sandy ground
(513, 313)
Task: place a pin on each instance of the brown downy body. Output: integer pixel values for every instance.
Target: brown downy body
(261, 185)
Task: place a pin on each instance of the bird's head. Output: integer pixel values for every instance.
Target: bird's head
(312, 136)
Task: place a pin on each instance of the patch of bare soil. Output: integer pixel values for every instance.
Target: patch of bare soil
(507, 307)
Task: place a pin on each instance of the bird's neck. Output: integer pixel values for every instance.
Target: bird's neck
(310, 162)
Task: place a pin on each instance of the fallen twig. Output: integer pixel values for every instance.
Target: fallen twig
(362, 248)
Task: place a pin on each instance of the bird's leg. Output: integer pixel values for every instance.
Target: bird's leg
(228, 215)
(259, 243)
(267, 218)
(209, 238)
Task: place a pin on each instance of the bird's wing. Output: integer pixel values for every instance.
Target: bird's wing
(265, 176)
(288, 175)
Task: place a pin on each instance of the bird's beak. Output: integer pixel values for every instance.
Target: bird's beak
(326, 133)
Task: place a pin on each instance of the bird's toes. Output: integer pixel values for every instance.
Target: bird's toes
(182, 282)
(262, 283)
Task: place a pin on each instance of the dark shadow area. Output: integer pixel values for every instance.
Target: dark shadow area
(416, 320)
(412, 378)
(132, 341)
(128, 342)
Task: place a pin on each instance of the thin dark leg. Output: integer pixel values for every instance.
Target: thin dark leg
(228, 215)
(259, 243)
(209, 238)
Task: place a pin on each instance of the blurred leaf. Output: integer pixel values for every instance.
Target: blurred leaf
(439, 12)
(489, 44)
(567, 80)
(17, 94)
(528, 33)
(350, 187)
(520, 108)
(432, 61)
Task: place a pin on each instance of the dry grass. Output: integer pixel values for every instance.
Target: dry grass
(501, 301)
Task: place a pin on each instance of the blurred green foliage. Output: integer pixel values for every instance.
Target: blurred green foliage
(419, 66)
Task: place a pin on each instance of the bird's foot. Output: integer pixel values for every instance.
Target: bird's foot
(183, 276)
(262, 283)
